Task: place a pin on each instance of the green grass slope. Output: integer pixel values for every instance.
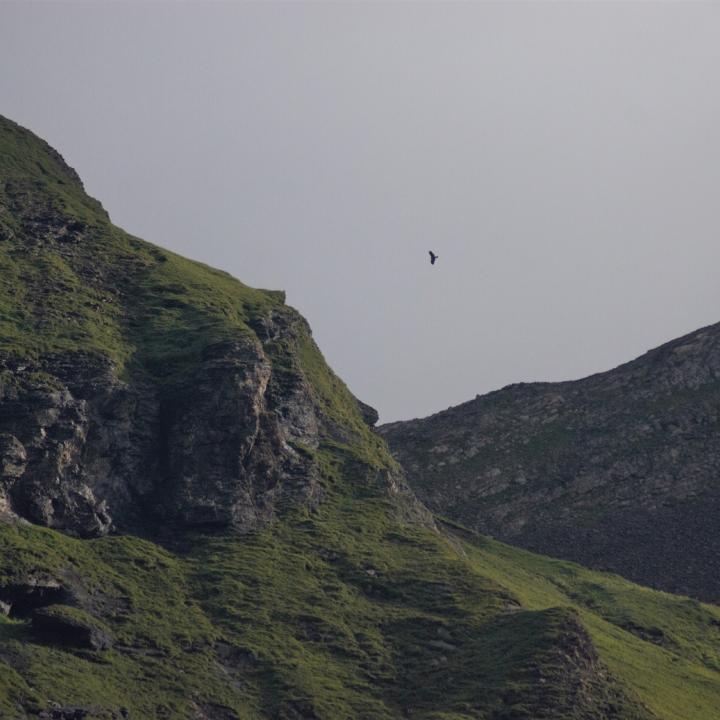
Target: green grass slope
(70, 280)
(347, 610)
(345, 613)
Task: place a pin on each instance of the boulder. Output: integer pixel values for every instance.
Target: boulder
(64, 625)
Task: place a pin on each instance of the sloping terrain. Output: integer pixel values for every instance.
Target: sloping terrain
(343, 613)
(619, 471)
(197, 520)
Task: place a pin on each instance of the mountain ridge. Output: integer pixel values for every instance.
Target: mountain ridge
(198, 522)
(616, 471)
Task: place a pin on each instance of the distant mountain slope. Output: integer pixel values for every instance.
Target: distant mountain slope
(198, 523)
(619, 471)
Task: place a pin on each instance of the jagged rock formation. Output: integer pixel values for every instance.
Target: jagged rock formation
(619, 471)
(117, 425)
(198, 522)
(84, 451)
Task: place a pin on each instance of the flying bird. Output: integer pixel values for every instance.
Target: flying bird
(433, 257)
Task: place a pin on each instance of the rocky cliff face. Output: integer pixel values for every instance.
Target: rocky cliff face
(138, 387)
(619, 471)
(85, 452)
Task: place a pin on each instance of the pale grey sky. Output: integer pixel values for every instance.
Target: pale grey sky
(562, 159)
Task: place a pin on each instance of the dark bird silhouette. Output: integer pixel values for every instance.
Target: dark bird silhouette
(433, 257)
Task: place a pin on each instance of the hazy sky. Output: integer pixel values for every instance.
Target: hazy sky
(562, 159)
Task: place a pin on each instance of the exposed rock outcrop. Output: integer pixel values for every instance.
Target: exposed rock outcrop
(136, 385)
(83, 450)
(62, 625)
(21, 597)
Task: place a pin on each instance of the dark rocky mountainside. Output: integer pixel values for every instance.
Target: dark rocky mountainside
(86, 451)
(198, 522)
(619, 471)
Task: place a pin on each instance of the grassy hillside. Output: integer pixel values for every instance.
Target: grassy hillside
(345, 613)
(666, 647)
(70, 280)
(344, 609)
